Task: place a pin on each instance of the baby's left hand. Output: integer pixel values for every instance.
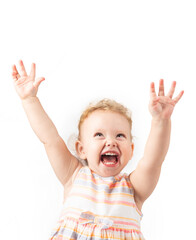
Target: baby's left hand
(161, 106)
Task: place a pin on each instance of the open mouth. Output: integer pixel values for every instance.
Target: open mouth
(110, 159)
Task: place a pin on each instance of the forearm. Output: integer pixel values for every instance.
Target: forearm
(158, 143)
(39, 120)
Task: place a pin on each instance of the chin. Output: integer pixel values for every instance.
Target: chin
(109, 171)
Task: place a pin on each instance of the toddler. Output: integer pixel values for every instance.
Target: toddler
(99, 201)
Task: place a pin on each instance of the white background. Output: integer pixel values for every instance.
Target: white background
(88, 50)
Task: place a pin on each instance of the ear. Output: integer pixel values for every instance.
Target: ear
(132, 148)
(80, 149)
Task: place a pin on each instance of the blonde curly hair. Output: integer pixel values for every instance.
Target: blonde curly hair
(105, 105)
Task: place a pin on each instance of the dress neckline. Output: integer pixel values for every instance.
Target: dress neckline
(116, 178)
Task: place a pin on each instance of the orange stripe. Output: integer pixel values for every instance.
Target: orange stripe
(88, 197)
(126, 223)
(103, 192)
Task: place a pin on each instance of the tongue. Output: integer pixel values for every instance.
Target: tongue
(111, 159)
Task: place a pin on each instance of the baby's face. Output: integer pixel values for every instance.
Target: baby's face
(106, 142)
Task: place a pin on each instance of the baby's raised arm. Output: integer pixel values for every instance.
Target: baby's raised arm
(145, 177)
(62, 161)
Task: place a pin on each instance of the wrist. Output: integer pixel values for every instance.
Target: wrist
(161, 121)
(29, 99)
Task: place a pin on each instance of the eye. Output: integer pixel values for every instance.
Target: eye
(98, 134)
(121, 135)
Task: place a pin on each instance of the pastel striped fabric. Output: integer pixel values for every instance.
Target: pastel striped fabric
(99, 208)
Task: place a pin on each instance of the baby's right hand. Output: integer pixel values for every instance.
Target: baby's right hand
(25, 85)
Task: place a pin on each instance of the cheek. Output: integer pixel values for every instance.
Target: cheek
(128, 150)
(94, 154)
(96, 148)
(92, 147)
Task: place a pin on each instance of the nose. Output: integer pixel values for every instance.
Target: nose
(111, 143)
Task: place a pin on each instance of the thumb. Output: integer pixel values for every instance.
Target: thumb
(38, 81)
(154, 101)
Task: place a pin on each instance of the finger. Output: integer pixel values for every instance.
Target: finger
(15, 74)
(176, 99)
(153, 96)
(38, 81)
(22, 69)
(172, 89)
(32, 73)
(152, 90)
(161, 88)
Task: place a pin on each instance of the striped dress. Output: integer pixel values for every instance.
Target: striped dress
(99, 208)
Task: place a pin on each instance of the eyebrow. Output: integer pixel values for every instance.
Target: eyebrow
(115, 131)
